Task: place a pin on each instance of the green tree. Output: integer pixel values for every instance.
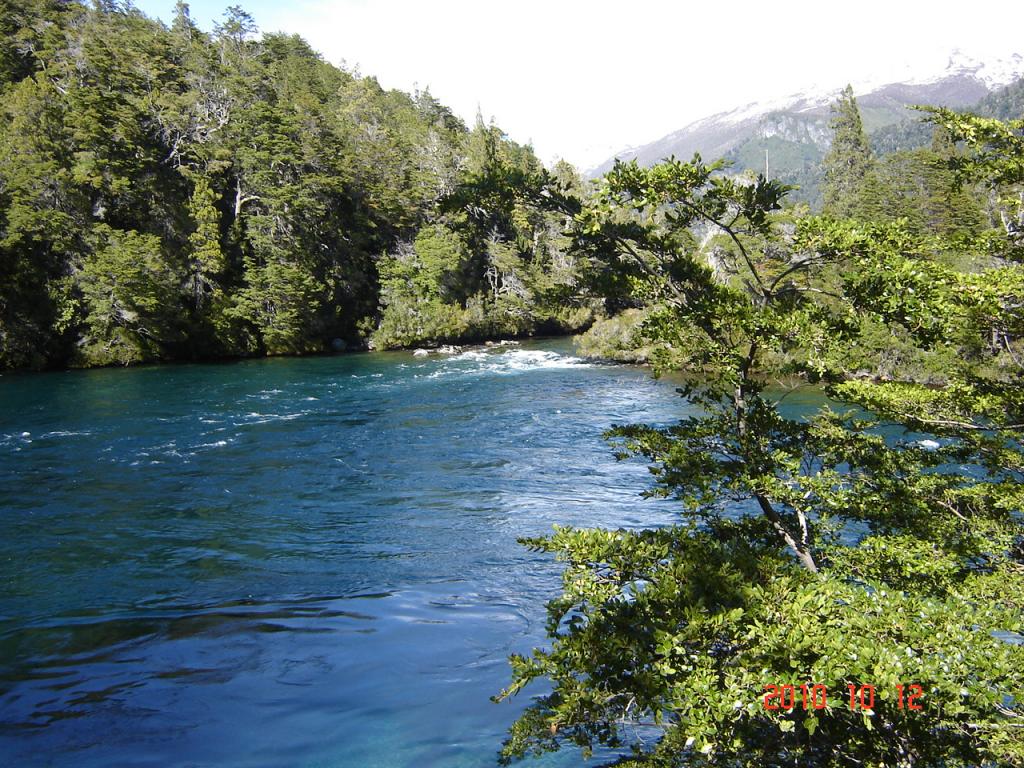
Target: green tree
(419, 290)
(997, 159)
(39, 227)
(129, 294)
(835, 550)
(850, 162)
(920, 186)
(272, 181)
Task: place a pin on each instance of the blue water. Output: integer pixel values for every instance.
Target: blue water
(306, 562)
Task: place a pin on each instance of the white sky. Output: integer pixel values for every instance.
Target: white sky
(581, 80)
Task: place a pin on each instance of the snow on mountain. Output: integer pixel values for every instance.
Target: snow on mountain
(802, 116)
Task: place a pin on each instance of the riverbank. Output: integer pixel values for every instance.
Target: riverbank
(334, 348)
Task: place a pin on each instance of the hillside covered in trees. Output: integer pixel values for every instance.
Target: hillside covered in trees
(166, 193)
(172, 194)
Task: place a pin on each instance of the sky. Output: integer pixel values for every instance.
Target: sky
(582, 80)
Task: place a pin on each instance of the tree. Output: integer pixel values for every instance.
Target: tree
(419, 290)
(998, 160)
(129, 293)
(834, 551)
(272, 182)
(919, 185)
(40, 228)
(850, 161)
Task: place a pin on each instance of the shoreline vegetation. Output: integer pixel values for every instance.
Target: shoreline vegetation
(187, 195)
(226, 195)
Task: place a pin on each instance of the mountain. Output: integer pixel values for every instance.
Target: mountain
(791, 135)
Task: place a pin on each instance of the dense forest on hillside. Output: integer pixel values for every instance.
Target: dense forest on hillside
(171, 194)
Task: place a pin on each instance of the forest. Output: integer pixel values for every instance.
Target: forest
(168, 194)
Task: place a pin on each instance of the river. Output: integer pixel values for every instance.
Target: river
(305, 561)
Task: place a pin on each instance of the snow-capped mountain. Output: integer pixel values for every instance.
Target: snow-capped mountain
(794, 129)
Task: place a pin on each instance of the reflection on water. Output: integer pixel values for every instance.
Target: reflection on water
(294, 562)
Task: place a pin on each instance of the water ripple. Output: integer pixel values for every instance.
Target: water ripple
(294, 561)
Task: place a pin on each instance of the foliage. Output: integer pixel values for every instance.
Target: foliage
(127, 291)
(616, 338)
(838, 550)
(260, 187)
(999, 159)
(921, 187)
(415, 284)
(510, 272)
(850, 162)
